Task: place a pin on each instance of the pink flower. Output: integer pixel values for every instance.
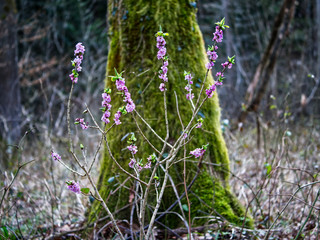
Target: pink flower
(132, 162)
(139, 167)
(55, 156)
(210, 90)
(161, 42)
(73, 186)
(225, 64)
(105, 117)
(209, 65)
(219, 74)
(79, 49)
(130, 107)
(106, 97)
(164, 69)
(188, 87)
(198, 152)
(133, 149)
(161, 53)
(218, 35)
(148, 165)
(190, 96)
(82, 123)
(76, 63)
(162, 87)
(73, 78)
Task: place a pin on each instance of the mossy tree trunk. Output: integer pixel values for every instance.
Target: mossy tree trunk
(132, 28)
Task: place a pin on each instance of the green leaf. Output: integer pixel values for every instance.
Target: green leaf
(185, 207)
(268, 167)
(85, 190)
(273, 107)
(107, 90)
(205, 146)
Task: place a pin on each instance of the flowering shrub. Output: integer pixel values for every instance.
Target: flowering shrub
(155, 160)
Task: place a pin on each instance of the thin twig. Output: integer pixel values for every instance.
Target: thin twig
(154, 132)
(145, 138)
(6, 189)
(68, 118)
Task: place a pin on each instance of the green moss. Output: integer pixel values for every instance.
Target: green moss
(132, 49)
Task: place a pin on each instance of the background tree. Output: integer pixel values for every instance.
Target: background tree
(10, 106)
(132, 28)
(264, 70)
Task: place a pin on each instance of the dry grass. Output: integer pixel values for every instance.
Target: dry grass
(264, 179)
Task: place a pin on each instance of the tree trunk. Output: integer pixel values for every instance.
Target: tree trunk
(263, 72)
(132, 28)
(10, 106)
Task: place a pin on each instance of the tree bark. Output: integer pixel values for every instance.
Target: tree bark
(10, 106)
(132, 28)
(261, 78)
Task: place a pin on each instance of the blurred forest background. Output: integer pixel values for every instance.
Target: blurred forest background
(48, 30)
(43, 35)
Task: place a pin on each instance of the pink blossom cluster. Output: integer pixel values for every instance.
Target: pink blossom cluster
(117, 116)
(133, 163)
(76, 63)
(212, 54)
(200, 121)
(55, 156)
(139, 165)
(82, 123)
(161, 45)
(210, 90)
(161, 42)
(133, 149)
(217, 38)
(121, 86)
(227, 64)
(218, 35)
(106, 106)
(188, 77)
(198, 152)
(73, 186)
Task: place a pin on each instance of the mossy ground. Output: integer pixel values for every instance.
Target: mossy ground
(132, 28)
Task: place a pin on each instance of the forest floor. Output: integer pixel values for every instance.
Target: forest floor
(275, 175)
